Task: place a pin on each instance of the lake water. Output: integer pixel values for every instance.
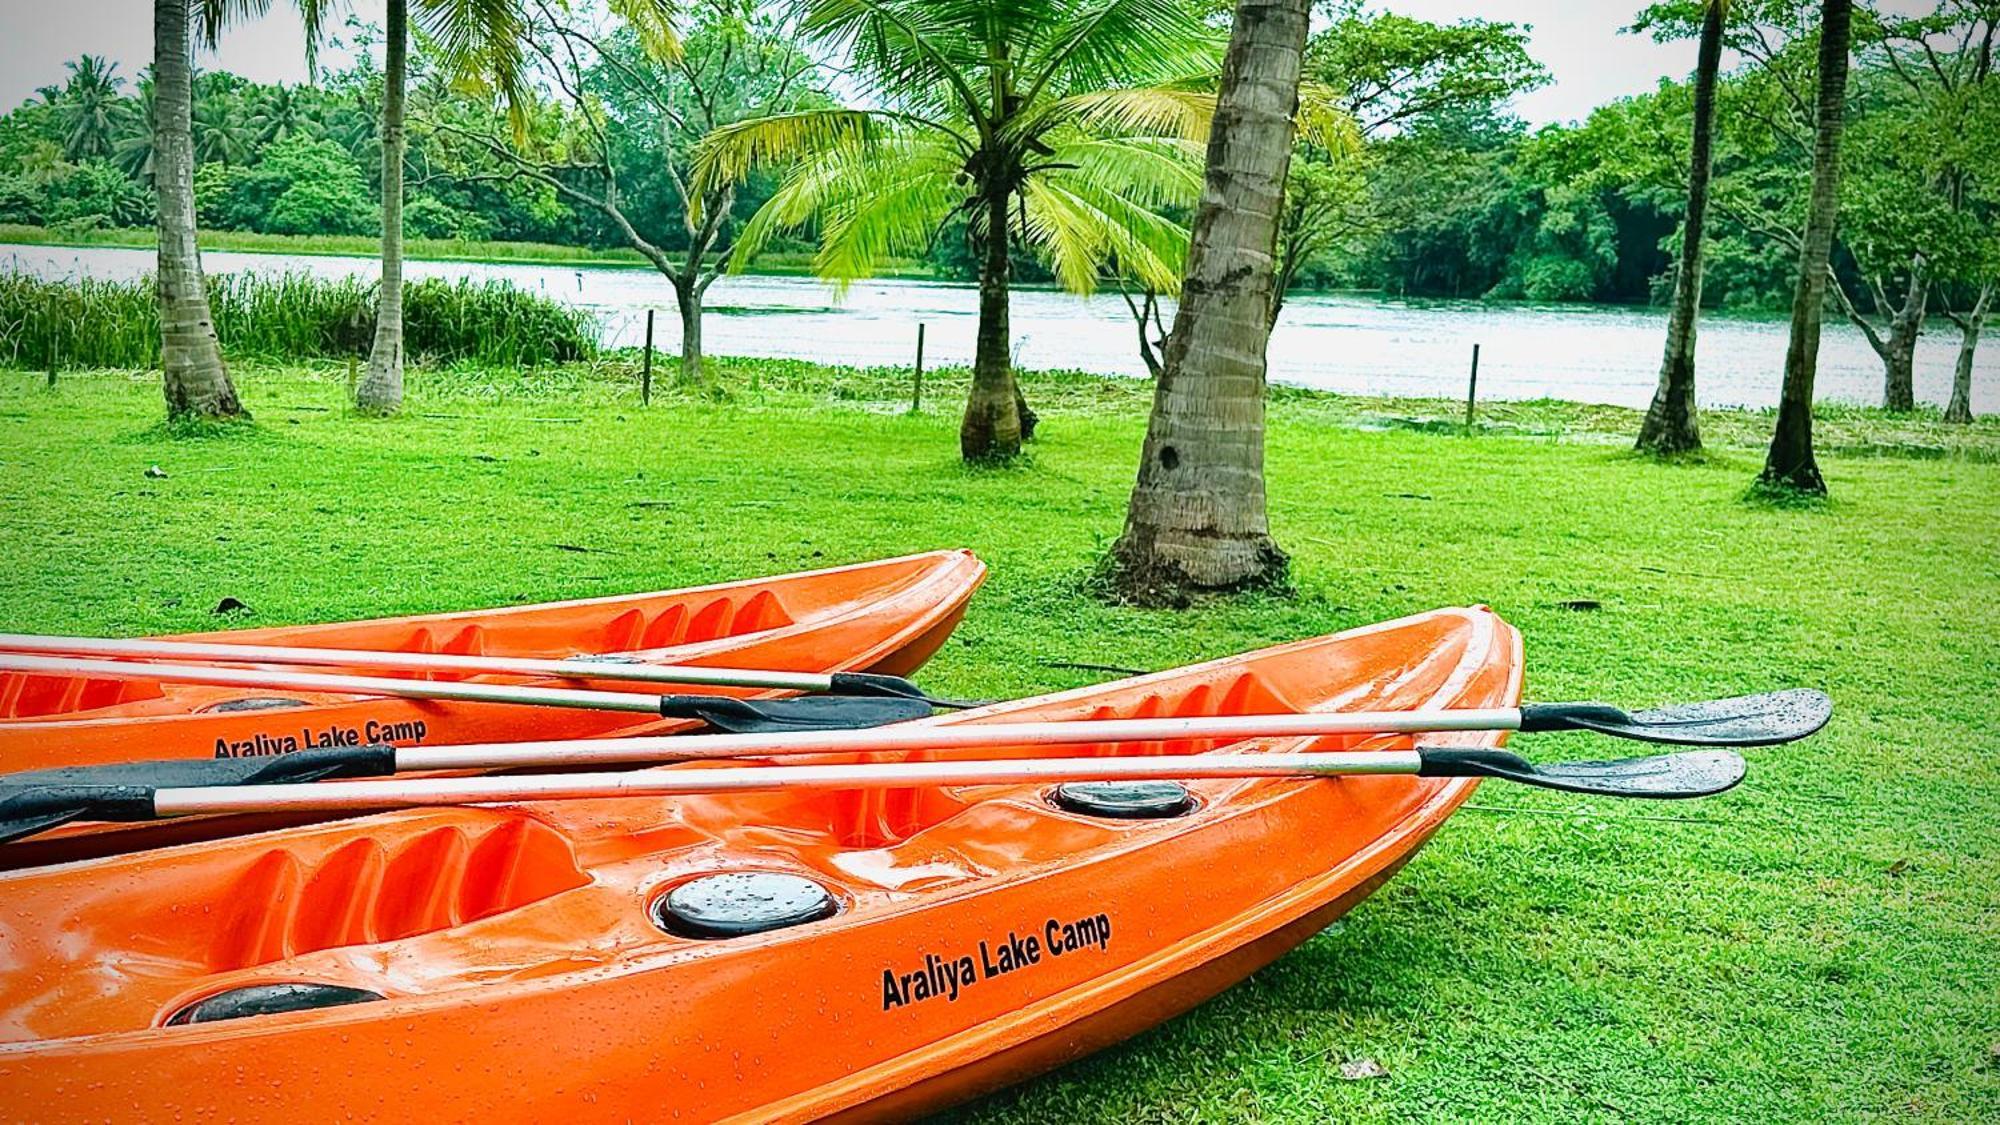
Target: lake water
(1360, 345)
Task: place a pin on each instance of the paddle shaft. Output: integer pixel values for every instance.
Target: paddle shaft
(966, 736)
(361, 795)
(571, 668)
(320, 681)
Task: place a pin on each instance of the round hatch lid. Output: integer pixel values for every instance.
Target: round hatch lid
(269, 999)
(1124, 800)
(741, 903)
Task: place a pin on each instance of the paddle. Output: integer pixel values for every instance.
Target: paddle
(609, 666)
(25, 810)
(34, 801)
(740, 716)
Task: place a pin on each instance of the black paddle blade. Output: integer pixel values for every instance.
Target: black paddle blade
(1693, 773)
(806, 713)
(1746, 720)
(875, 684)
(38, 800)
(29, 809)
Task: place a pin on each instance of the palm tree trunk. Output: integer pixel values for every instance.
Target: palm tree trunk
(381, 389)
(1196, 521)
(194, 377)
(1960, 410)
(1672, 424)
(991, 429)
(1790, 463)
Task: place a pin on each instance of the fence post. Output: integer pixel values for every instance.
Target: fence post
(646, 371)
(917, 383)
(54, 353)
(1472, 387)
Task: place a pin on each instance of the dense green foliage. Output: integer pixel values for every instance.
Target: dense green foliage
(1815, 946)
(280, 159)
(1451, 195)
(97, 323)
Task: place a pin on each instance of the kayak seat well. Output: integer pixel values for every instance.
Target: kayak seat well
(26, 696)
(686, 622)
(887, 818)
(288, 902)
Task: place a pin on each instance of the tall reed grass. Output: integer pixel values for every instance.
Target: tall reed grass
(89, 322)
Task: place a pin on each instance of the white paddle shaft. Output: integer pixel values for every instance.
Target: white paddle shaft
(320, 681)
(390, 794)
(582, 668)
(959, 736)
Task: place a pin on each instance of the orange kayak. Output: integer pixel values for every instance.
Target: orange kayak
(887, 616)
(587, 960)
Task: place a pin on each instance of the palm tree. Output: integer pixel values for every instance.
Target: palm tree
(1671, 424)
(278, 114)
(1062, 125)
(195, 379)
(381, 389)
(1196, 519)
(91, 108)
(133, 152)
(221, 136)
(477, 39)
(1790, 465)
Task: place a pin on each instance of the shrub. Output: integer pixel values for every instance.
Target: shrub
(95, 323)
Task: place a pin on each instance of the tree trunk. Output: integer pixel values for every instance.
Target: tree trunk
(1960, 410)
(381, 389)
(1899, 358)
(1672, 424)
(195, 379)
(992, 428)
(688, 299)
(1196, 521)
(1790, 463)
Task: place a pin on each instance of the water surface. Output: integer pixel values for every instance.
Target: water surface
(1355, 344)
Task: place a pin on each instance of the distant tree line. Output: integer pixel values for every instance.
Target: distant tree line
(1451, 196)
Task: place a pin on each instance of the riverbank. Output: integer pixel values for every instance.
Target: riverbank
(1339, 342)
(771, 264)
(755, 387)
(1816, 945)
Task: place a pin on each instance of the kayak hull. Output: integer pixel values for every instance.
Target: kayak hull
(886, 616)
(557, 994)
(1110, 1026)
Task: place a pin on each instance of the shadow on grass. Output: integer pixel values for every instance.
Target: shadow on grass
(1784, 497)
(200, 429)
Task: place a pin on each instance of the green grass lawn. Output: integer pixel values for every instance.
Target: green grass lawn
(1820, 944)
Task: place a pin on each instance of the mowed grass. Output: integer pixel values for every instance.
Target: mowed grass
(1822, 944)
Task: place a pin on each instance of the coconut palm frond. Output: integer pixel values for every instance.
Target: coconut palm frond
(908, 51)
(1065, 234)
(211, 16)
(1080, 229)
(899, 216)
(1153, 172)
(728, 154)
(838, 183)
(1115, 42)
(653, 22)
(1323, 123)
(478, 45)
(1174, 110)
